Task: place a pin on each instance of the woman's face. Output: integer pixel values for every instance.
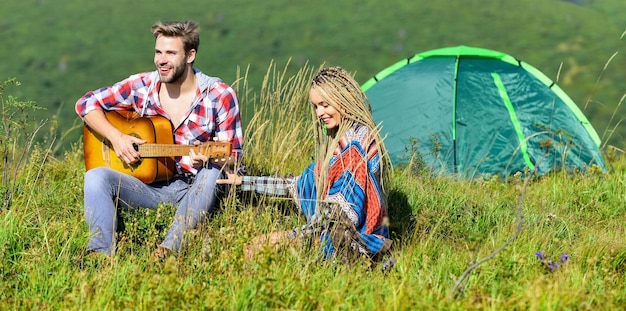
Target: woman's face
(324, 111)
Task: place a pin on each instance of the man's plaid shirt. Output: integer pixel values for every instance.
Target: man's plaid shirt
(214, 113)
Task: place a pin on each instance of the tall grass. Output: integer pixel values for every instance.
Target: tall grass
(440, 226)
(17, 134)
(279, 135)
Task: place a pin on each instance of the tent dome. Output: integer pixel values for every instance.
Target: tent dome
(471, 111)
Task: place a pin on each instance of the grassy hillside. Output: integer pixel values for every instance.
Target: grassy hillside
(440, 226)
(61, 49)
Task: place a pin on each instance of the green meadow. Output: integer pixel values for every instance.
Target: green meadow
(458, 244)
(554, 242)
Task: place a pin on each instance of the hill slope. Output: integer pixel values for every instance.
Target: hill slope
(59, 50)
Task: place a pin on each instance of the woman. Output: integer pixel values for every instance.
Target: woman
(342, 193)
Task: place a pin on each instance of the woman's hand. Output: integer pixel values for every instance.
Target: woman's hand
(232, 179)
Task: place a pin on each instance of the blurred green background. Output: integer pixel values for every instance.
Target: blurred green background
(61, 49)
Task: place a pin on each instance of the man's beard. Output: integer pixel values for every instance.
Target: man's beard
(177, 73)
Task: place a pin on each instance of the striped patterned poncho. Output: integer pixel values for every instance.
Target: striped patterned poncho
(354, 187)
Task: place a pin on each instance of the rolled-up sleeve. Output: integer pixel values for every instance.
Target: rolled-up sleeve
(116, 97)
(270, 186)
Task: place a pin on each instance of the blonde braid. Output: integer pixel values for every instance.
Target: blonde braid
(339, 89)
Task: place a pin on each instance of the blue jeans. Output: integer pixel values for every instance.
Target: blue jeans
(106, 190)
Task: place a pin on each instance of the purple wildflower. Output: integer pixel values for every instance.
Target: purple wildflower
(539, 255)
(388, 265)
(552, 265)
(548, 263)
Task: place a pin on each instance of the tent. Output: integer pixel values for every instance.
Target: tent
(470, 112)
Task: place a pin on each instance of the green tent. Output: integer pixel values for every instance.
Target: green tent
(470, 111)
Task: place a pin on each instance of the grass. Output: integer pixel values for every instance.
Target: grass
(440, 226)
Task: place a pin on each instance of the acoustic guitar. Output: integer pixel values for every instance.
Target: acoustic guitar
(156, 156)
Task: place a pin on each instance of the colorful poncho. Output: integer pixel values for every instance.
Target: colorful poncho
(353, 185)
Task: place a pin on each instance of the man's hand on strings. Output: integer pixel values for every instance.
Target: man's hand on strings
(124, 146)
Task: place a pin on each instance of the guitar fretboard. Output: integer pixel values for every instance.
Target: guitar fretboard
(211, 150)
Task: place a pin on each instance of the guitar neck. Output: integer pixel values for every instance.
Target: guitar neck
(210, 149)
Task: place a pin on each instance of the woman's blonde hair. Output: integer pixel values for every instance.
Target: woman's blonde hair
(338, 89)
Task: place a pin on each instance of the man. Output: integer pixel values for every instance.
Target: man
(200, 108)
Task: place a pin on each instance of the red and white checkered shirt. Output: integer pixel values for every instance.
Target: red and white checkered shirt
(214, 113)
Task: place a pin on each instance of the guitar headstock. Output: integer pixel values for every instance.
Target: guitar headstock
(217, 150)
